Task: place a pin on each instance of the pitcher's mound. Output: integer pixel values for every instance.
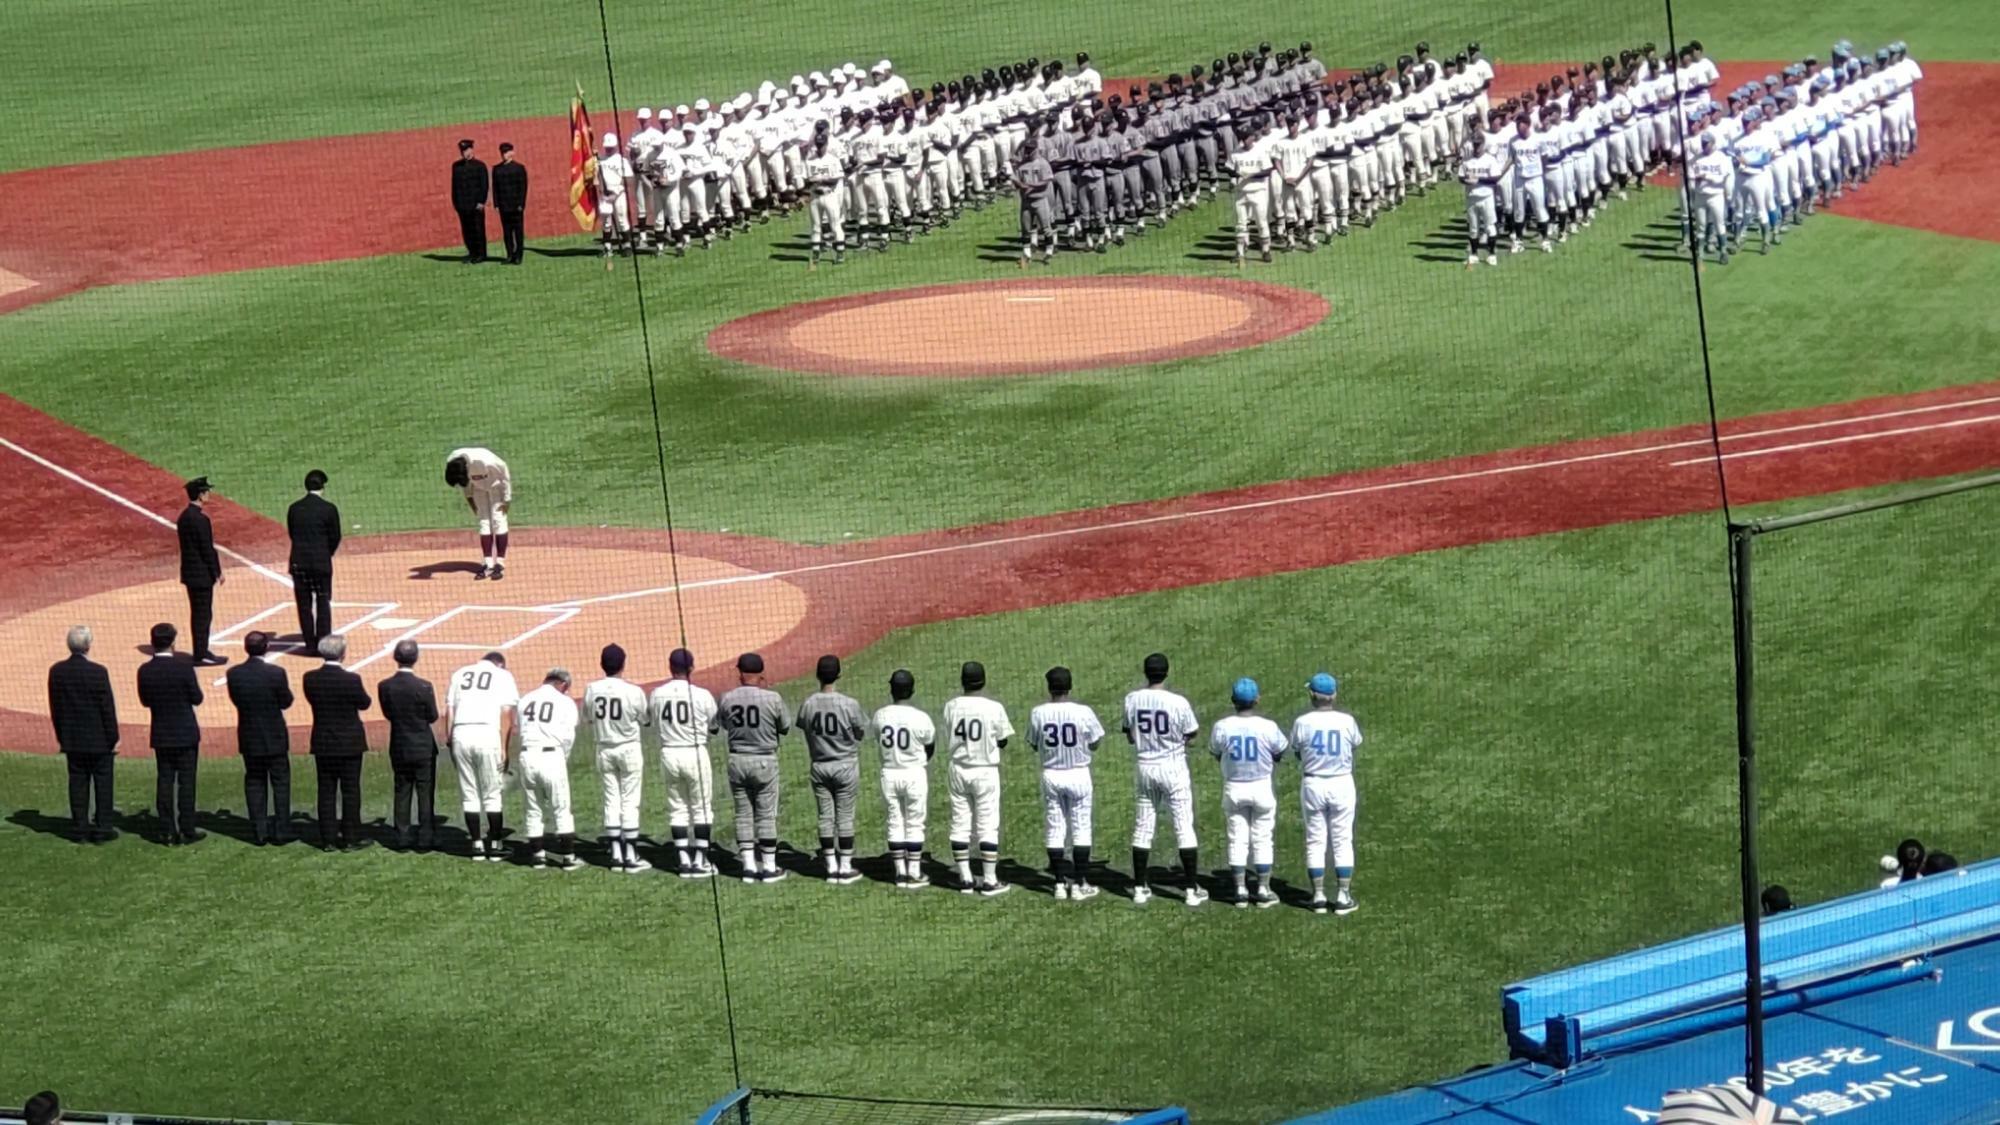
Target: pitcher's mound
(1019, 327)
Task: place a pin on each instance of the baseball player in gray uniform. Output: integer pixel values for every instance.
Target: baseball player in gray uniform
(1032, 177)
(754, 718)
(833, 726)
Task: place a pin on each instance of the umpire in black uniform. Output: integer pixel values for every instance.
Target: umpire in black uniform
(510, 198)
(468, 198)
(261, 692)
(170, 689)
(337, 699)
(314, 525)
(86, 721)
(201, 570)
(409, 702)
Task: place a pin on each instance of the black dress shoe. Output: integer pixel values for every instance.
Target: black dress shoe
(193, 836)
(210, 660)
(363, 844)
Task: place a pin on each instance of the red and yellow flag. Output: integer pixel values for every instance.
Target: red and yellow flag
(582, 164)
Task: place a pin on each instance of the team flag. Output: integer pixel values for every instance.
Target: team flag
(582, 164)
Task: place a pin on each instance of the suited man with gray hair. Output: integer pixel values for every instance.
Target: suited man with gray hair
(337, 698)
(86, 721)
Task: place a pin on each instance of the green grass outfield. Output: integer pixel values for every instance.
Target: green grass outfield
(1549, 777)
(120, 77)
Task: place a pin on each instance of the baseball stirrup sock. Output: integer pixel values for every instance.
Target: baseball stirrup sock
(1056, 864)
(493, 825)
(500, 544)
(1081, 856)
(472, 826)
(1141, 857)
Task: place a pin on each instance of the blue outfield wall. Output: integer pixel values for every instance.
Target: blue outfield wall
(1890, 1014)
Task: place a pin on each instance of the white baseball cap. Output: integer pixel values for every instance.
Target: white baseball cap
(818, 79)
(849, 69)
(798, 80)
(701, 105)
(645, 114)
(766, 86)
(680, 111)
(610, 140)
(882, 66)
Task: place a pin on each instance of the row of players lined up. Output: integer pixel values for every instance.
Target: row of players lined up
(1551, 158)
(485, 714)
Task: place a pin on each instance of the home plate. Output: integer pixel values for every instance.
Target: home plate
(392, 624)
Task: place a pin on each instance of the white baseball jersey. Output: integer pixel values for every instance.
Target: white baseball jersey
(1326, 742)
(975, 726)
(484, 470)
(1252, 167)
(903, 732)
(1159, 723)
(614, 171)
(548, 718)
(1711, 172)
(825, 171)
(1481, 173)
(1248, 746)
(480, 694)
(617, 711)
(1065, 732)
(1526, 155)
(1293, 155)
(683, 714)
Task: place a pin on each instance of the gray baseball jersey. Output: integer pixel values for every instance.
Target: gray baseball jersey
(753, 718)
(833, 725)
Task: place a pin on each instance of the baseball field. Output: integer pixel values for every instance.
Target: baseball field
(1491, 502)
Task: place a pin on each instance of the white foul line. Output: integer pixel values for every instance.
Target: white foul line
(1870, 436)
(163, 521)
(1307, 498)
(1031, 300)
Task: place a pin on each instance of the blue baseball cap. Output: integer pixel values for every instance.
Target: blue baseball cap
(1322, 684)
(1752, 114)
(1245, 691)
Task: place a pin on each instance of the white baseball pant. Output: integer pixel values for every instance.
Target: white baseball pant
(908, 795)
(1530, 198)
(1066, 807)
(621, 770)
(545, 790)
(690, 785)
(475, 753)
(1163, 783)
(1250, 809)
(486, 506)
(975, 804)
(612, 215)
(1328, 804)
(1253, 209)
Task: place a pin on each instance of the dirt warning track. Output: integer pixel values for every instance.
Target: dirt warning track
(107, 554)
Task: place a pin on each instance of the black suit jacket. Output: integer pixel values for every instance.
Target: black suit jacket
(81, 707)
(314, 524)
(199, 564)
(410, 704)
(510, 185)
(171, 689)
(337, 698)
(468, 183)
(261, 691)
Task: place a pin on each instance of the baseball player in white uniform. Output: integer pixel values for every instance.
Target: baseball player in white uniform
(684, 717)
(618, 715)
(488, 488)
(614, 176)
(1292, 158)
(1481, 173)
(1248, 745)
(1325, 739)
(1158, 723)
(1066, 733)
(826, 175)
(548, 731)
(978, 729)
(907, 739)
(1252, 167)
(1712, 173)
(479, 712)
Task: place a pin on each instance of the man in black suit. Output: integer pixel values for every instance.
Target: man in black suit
(261, 692)
(409, 702)
(510, 198)
(201, 569)
(314, 525)
(86, 721)
(337, 698)
(468, 198)
(171, 690)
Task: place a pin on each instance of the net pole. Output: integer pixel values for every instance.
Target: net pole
(1740, 540)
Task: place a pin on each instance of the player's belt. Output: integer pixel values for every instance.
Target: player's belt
(540, 748)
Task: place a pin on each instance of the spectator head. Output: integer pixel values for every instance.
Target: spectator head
(902, 685)
(406, 653)
(163, 637)
(43, 1109)
(1776, 899)
(680, 662)
(828, 670)
(1155, 668)
(333, 649)
(612, 660)
(1937, 863)
(972, 676)
(78, 639)
(315, 481)
(256, 643)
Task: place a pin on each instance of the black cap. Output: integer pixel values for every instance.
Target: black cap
(464, 144)
(750, 663)
(1058, 679)
(828, 669)
(197, 487)
(506, 146)
(972, 675)
(612, 659)
(1155, 667)
(680, 661)
(902, 685)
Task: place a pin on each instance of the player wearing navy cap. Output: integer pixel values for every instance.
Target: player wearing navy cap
(1326, 739)
(1248, 745)
(1066, 733)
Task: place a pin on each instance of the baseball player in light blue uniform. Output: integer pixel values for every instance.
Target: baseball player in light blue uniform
(1326, 739)
(1248, 745)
